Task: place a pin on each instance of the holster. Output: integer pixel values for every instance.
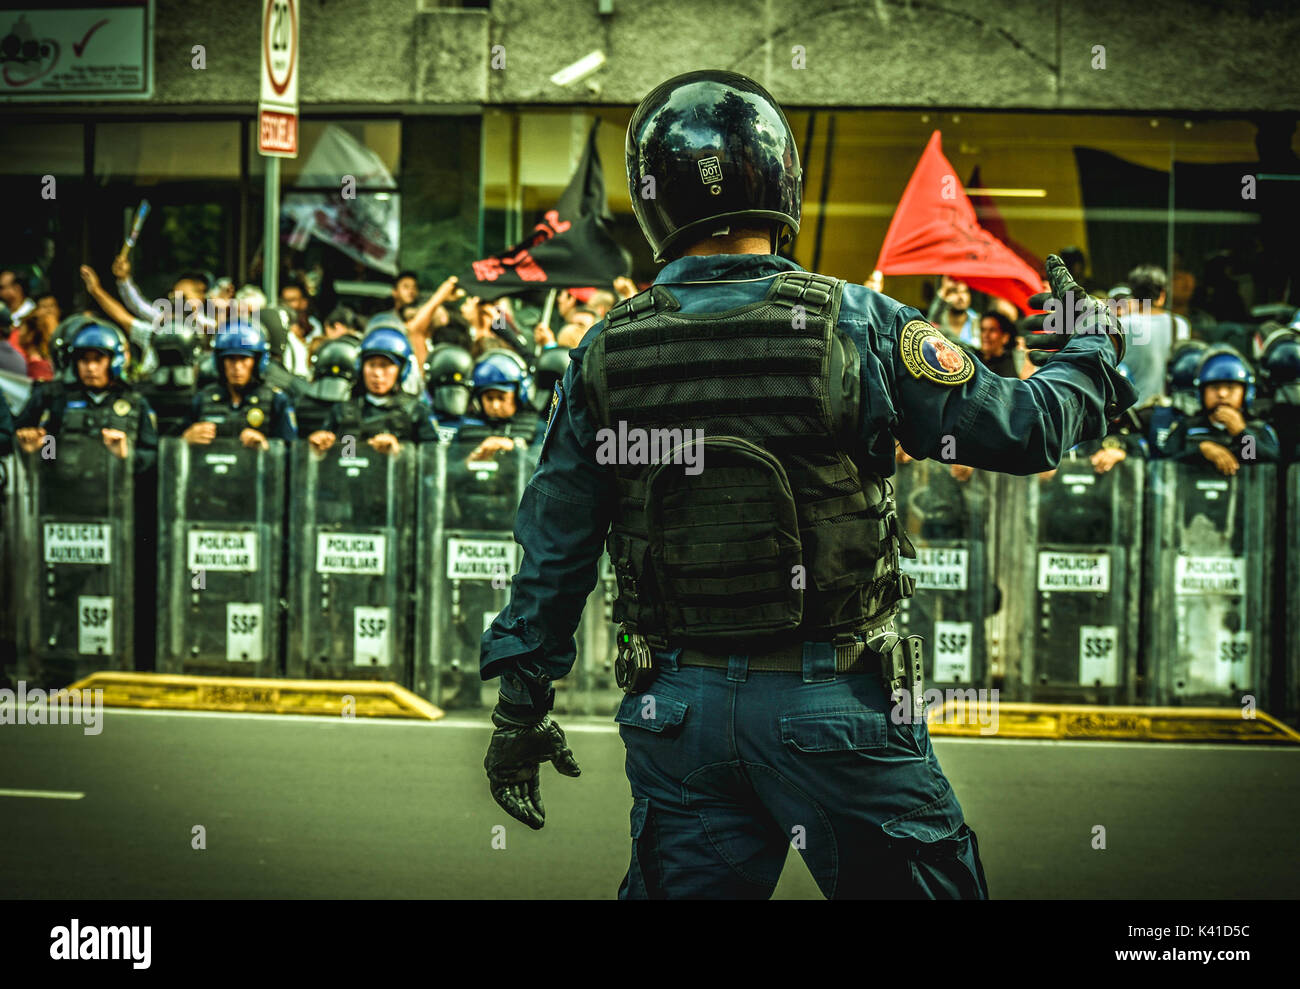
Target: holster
(901, 667)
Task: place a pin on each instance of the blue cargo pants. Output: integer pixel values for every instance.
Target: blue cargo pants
(729, 768)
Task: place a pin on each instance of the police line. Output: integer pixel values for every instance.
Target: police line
(1150, 583)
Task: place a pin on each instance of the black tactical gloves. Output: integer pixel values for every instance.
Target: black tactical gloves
(1070, 311)
(525, 737)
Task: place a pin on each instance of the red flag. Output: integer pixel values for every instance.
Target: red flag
(990, 218)
(934, 231)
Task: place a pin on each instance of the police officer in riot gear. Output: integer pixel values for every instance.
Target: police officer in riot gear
(97, 402)
(501, 414)
(1279, 372)
(170, 387)
(551, 365)
(1180, 398)
(334, 373)
(1225, 432)
(6, 428)
(241, 405)
(379, 412)
(448, 371)
(765, 681)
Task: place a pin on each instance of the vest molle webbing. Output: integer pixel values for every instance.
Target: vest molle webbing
(723, 562)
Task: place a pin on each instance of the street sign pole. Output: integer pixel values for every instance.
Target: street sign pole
(271, 236)
(277, 124)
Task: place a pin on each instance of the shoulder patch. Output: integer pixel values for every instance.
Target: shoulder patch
(557, 400)
(927, 354)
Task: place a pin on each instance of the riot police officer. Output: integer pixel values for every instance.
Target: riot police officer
(1179, 400)
(448, 371)
(379, 412)
(1280, 377)
(241, 404)
(760, 666)
(98, 401)
(334, 374)
(6, 428)
(1224, 432)
(501, 411)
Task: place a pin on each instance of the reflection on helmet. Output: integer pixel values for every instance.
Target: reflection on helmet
(720, 153)
(390, 342)
(503, 370)
(447, 373)
(61, 341)
(241, 340)
(105, 339)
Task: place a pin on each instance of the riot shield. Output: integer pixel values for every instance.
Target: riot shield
(351, 553)
(220, 524)
(1211, 545)
(1069, 568)
(8, 559)
(74, 555)
(1290, 627)
(468, 556)
(946, 520)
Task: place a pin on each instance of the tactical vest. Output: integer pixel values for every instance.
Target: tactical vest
(522, 425)
(780, 536)
(254, 412)
(120, 410)
(357, 417)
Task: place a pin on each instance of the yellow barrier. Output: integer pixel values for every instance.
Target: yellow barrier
(957, 716)
(342, 698)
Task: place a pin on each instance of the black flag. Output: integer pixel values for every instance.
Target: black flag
(569, 247)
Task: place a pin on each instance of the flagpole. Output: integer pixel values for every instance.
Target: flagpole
(550, 305)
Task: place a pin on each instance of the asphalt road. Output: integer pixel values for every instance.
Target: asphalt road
(326, 808)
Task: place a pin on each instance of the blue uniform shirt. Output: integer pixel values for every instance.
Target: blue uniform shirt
(1002, 424)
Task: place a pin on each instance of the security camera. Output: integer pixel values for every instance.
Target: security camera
(579, 70)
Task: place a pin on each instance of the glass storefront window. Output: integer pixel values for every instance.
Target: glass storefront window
(160, 151)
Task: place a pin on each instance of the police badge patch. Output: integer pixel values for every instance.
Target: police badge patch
(551, 415)
(926, 354)
(255, 417)
(121, 407)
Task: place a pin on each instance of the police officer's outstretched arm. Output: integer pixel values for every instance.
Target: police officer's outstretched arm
(1006, 424)
(561, 524)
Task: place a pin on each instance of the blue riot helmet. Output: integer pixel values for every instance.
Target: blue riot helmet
(241, 340)
(447, 375)
(1280, 366)
(1180, 376)
(387, 341)
(105, 339)
(503, 370)
(551, 366)
(1224, 363)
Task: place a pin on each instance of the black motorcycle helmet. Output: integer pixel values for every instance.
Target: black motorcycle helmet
(1280, 366)
(551, 366)
(447, 375)
(334, 369)
(721, 154)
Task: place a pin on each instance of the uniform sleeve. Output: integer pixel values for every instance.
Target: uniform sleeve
(146, 439)
(1268, 449)
(286, 423)
(1002, 424)
(561, 525)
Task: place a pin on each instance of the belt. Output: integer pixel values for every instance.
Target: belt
(849, 655)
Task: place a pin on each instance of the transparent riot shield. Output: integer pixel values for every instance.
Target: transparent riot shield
(74, 555)
(468, 556)
(1211, 544)
(220, 525)
(945, 515)
(1069, 566)
(1290, 627)
(594, 691)
(351, 553)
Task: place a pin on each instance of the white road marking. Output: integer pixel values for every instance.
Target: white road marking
(47, 794)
